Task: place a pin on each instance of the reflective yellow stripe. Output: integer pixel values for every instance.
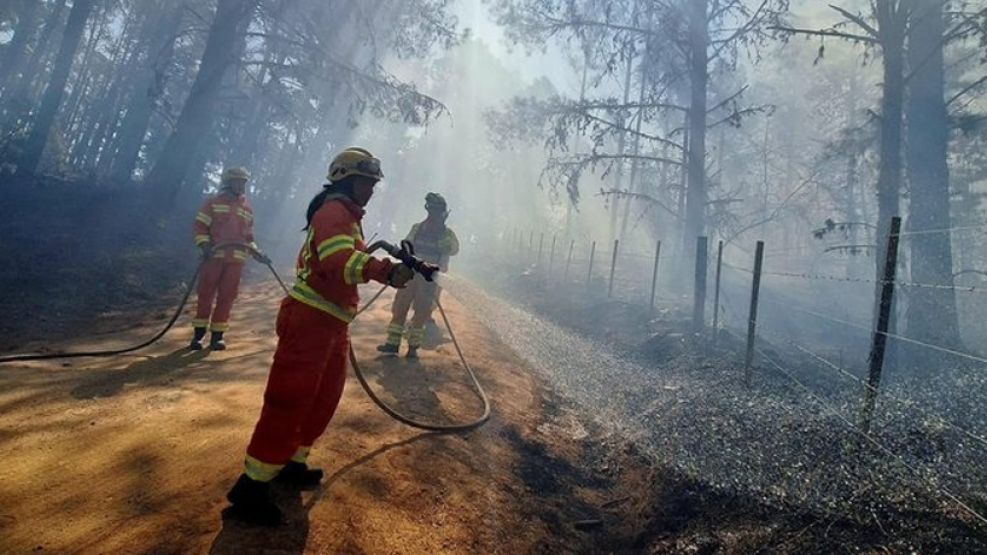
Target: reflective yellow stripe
(415, 336)
(301, 455)
(240, 255)
(204, 218)
(305, 294)
(219, 326)
(353, 272)
(221, 208)
(200, 239)
(303, 270)
(200, 323)
(243, 213)
(334, 244)
(260, 471)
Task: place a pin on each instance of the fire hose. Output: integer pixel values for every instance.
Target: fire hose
(405, 254)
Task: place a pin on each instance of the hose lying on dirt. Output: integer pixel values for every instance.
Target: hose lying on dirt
(393, 413)
(389, 410)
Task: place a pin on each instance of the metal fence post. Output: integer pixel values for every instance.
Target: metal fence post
(613, 267)
(541, 244)
(551, 259)
(568, 260)
(654, 278)
(699, 290)
(716, 289)
(752, 317)
(589, 272)
(880, 339)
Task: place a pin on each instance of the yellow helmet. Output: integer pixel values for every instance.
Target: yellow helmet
(354, 161)
(229, 174)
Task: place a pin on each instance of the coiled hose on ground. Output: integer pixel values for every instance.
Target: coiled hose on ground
(357, 369)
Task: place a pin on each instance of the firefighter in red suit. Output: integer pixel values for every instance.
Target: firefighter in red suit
(309, 369)
(223, 225)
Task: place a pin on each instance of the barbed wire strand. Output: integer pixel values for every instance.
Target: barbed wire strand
(941, 230)
(843, 371)
(867, 437)
(886, 334)
(817, 277)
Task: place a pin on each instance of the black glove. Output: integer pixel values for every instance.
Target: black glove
(400, 276)
(206, 249)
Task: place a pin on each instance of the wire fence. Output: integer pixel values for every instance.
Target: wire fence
(640, 277)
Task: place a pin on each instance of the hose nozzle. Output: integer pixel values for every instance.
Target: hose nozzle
(406, 254)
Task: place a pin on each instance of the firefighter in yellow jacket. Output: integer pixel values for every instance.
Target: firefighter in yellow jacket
(434, 242)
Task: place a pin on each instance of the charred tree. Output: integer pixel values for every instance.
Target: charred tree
(932, 312)
(13, 55)
(52, 98)
(146, 93)
(198, 112)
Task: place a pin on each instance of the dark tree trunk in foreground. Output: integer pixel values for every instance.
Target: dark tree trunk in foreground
(695, 201)
(892, 20)
(21, 92)
(932, 312)
(198, 113)
(13, 58)
(145, 96)
(52, 99)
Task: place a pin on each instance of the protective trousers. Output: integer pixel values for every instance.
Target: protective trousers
(303, 388)
(419, 294)
(219, 281)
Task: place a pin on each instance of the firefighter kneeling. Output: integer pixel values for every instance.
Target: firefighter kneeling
(434, 242)
(309, 369)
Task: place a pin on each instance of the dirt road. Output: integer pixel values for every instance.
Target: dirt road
(134, 454)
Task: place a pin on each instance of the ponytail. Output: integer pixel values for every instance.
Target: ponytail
(342, 187)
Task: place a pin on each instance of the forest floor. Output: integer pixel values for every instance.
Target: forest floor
(134, 454)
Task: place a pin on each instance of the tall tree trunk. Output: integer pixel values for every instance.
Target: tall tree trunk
(570, 196)
(52, 99)
(13, 56)
(615, 199)
(695, 209)
(850, 212)
(632, 184)
(932, 312)
(892, 24)
(197, 116)
(21, 92)
(145, 96)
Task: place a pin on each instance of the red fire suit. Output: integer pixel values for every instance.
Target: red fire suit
(309, 369)
(223, 219)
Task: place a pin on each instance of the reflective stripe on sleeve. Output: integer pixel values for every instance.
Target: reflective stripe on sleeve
(334, 244)
(353, 272)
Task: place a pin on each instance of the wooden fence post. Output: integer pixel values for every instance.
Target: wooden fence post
(752, 315)
(716, 294)
(568, 260)
(654, 278)
(589, 271)
(880, 339)
(613, 267)
(699, 289)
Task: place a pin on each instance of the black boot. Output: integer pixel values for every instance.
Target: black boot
(388, 350)
(299, 475)
(412, 353)
(252, 502)
(216, 342)
(197, 335)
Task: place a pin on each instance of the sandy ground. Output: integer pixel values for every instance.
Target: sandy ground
(134, 454)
